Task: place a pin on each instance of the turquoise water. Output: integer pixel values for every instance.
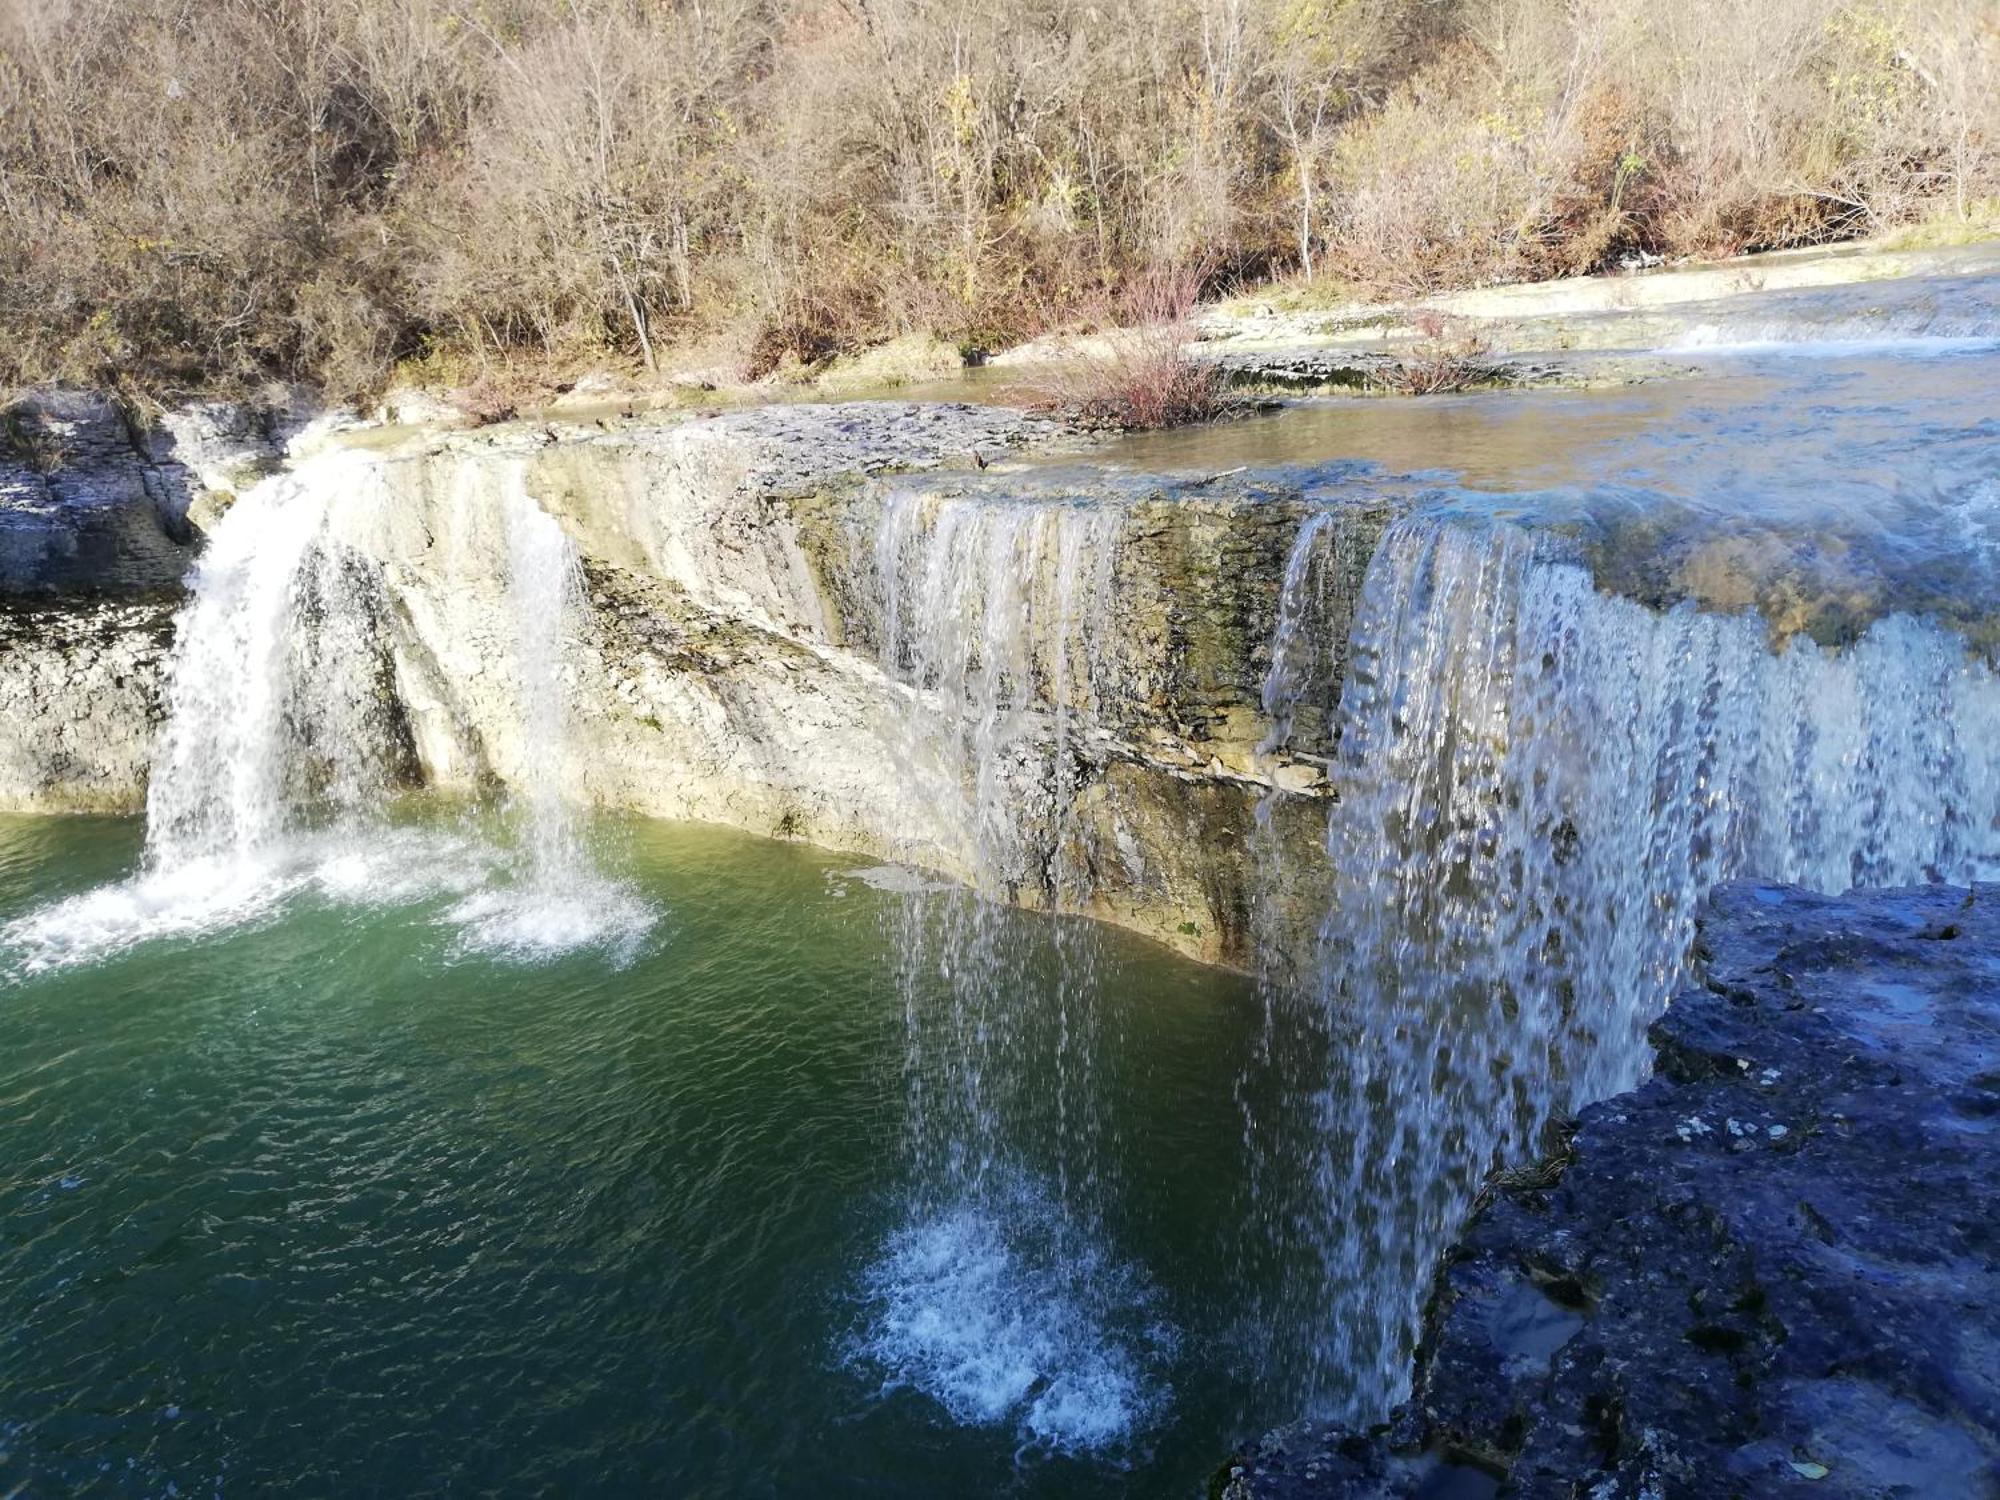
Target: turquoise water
(326, 1203)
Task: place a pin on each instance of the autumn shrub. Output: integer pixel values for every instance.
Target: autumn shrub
(1446, 357)
(1145, 378)
(213, 194)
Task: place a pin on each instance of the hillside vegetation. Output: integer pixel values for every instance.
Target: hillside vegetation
(199, 193)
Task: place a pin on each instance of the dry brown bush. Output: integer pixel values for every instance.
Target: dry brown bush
(1448, 357)
(1146, 379)
(216, 193)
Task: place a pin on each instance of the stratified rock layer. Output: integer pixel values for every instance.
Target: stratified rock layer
(1773, 1269)
(735, 662)
(85, 503)
(740, 658)
(80, 699)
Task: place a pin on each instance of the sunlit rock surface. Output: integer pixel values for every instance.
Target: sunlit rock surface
(80, 701)
(1769, 1270)
(826, 623)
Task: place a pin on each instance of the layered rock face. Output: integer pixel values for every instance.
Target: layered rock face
(823, 623)
(1029, 681)
(99, 523)
(1770, 1270)
(80, 689)
(92, 550)
(85, 505)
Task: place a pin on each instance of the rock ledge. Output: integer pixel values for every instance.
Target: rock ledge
(1773, 1269)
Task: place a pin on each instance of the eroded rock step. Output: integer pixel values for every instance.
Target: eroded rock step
(1773, 1269)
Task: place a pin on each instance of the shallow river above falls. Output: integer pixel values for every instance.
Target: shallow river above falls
(314, 1202)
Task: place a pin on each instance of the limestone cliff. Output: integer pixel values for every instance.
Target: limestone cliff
(755, 651)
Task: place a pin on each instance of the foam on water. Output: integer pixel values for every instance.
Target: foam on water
(1007, 1314)
(282, 746)
(898, 880)
(210, 895)
(535, 922)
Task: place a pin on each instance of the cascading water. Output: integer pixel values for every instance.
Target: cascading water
(1942, 315)
(556, 900)
(990, 615)
(1538, 784)
(283, 741)
(996, 1296)
(276, 715)
(279, 743)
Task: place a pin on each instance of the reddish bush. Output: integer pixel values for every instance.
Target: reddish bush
(1147, 379)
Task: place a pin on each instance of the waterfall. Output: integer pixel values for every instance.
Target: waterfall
(275, 711)
(284, 742)
(280, 741)
(993, 613)
(544, 590)
(555, 900)
(1539, 783)
(995, 1296)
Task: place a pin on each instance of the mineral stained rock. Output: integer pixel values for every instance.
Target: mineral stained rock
(737, 660)
(1774, 1269)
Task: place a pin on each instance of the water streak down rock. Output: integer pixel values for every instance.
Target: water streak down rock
(1538, 784)
(277, 713)
(1767, 1271)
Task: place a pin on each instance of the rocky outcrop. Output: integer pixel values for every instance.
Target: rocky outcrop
(738, 665)
(85, 505)
(1770, 1270)
(212, 451)
(93, 547)
(94, 501)
(792, 614)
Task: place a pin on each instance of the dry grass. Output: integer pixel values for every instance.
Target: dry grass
(1448, 357)
(218, 193)
(1147, 380)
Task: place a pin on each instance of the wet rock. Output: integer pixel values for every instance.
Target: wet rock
(94, 501)
(83, 505)
(1770, 1270)
(80, 700)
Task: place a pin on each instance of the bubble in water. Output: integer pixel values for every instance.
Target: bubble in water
(1005, 1312)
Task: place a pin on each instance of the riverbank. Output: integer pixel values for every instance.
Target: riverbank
(1768, 1270)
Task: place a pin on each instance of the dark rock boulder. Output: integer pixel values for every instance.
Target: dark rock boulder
(1773, 1269)
(83, 505)
(95, 503)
